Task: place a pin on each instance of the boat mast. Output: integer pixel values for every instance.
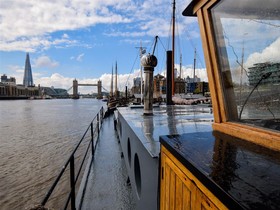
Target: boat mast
(173, 46)
(194, 63)
(141, 73)
(241, 72)
(141, 52)
(111, 90)
(180, 65)
(116, 81)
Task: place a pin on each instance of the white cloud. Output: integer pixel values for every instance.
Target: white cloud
(269, 54)
(136, 42)
(65, 36)
(56, 80)
(80, 57)
(16, 69)
(34, 43)
(45, 61)
(248, 34)
(151, 18)
(26, 25)
(199, 72)
(36, 18)
(124, 34)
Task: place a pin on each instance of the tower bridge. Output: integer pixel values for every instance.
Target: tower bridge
(75, 88)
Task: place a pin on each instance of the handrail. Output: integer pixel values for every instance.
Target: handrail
(71, 160)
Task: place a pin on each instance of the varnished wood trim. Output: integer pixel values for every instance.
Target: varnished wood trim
(259, 136)
(210, 53)
(214, 59)
(199, 5)
(193, 179)
(162, 183)
(266, 138)
(208, 61)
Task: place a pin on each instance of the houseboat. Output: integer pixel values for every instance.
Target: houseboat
(197, 157)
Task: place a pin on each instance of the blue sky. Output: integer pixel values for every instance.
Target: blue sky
(83, 39)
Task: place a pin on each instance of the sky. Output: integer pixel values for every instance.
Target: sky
(84, 39)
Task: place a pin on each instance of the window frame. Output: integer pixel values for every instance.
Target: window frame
(222, 122)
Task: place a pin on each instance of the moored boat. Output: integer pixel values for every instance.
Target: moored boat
(197, 157)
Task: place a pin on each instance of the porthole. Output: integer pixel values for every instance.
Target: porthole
(137, 174)
(129, 151)
(120, 128)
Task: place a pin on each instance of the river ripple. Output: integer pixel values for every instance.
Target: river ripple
(36, 138)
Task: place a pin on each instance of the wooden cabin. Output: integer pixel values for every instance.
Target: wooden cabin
(237, 165)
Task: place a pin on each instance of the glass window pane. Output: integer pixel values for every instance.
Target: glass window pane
(247, 35)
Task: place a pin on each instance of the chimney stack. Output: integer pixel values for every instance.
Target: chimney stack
(148, 62)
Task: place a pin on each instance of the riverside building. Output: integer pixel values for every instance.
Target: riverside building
(10, 90)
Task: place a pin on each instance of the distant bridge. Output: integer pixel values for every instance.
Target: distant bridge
(75, 88)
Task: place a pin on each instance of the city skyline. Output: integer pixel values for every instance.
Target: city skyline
(64, 44)
(83, 39)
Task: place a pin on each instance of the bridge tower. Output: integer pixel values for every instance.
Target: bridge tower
(75, 89)
(99, 86)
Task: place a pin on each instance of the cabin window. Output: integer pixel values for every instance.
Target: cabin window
(247, 36)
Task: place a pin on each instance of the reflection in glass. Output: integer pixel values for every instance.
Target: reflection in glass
(247, 36)
(224, 164)
(148, 127)
(247, 171)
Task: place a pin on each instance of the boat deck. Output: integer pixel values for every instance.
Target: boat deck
(166, 120)
(107, 187)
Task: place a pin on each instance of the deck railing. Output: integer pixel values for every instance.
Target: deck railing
(94, 129)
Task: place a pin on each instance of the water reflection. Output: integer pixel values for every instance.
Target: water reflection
(37, 137)
(247, 36)
(224, 164)
(170, 120)
(249, 172)
(148, 127)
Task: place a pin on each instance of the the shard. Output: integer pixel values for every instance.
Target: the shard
(27, 79)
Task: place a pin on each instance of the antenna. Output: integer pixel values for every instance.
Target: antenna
(181, 65)
(142, 50)
(156, 38)
(111, 90)
(264, 76)
(116, 80)
(194, 63)
(173, 46)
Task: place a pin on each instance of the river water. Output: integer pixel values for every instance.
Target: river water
(36, 139)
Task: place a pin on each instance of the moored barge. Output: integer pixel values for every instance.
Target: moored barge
(197, 157)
